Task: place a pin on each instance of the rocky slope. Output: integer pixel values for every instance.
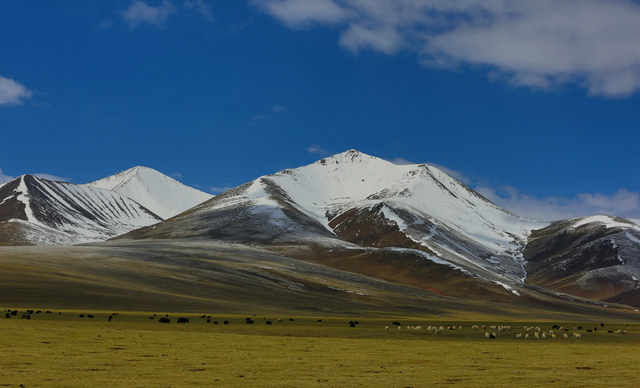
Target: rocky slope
(596, 257)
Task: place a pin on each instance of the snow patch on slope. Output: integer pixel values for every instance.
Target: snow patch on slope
(607, 221)
(24, 198)
(630, 237)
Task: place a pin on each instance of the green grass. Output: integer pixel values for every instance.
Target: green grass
(52, 350)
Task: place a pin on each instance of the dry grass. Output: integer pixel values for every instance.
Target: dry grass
(52, 350)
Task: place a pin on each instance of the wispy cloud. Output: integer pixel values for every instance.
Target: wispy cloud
(623, 203)
(301, 13)
(176, 175)
(261, 117)
(219, 189)
(401, 162)
(140, 12)
(12, 92)
(538, 44)
(52, 177)
(276, 109)
(105, 24)
(201, 7)
(5, 178)
(316, 149)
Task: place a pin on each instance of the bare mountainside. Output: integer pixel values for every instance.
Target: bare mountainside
(213, 277)
(35, 211)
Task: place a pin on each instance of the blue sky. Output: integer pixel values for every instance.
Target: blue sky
(534, 104)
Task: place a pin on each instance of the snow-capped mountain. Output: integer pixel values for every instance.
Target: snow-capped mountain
(157, 192)
(596, 257)
(35, 211)
(368, 202)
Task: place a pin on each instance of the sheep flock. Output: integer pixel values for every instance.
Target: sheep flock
(497, 331)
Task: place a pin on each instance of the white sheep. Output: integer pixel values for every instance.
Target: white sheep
(487, 335)
(474, 327)
(536, 335)
(526, 336)
(565, 336)
(386, 327)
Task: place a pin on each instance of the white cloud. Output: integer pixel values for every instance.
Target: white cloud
(5, 178)
(176, 175)
(12, 92)
(140, 12)
(623, 203)
(52, 177)
(316, 149)
(300, 13)
(540, 44)
(278, 109)
(217, 189)
(201, 7)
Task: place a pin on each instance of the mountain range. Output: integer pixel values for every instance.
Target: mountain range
(407, 224)
(36, 211)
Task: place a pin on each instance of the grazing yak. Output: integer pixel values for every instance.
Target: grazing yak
(183, 320)
(164, 320)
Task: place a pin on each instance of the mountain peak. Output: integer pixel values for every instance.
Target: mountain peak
(350, 156)
(161, 194)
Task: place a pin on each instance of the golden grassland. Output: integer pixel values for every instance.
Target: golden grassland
(63, 350)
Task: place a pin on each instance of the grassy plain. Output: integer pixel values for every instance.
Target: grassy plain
(53, 350)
